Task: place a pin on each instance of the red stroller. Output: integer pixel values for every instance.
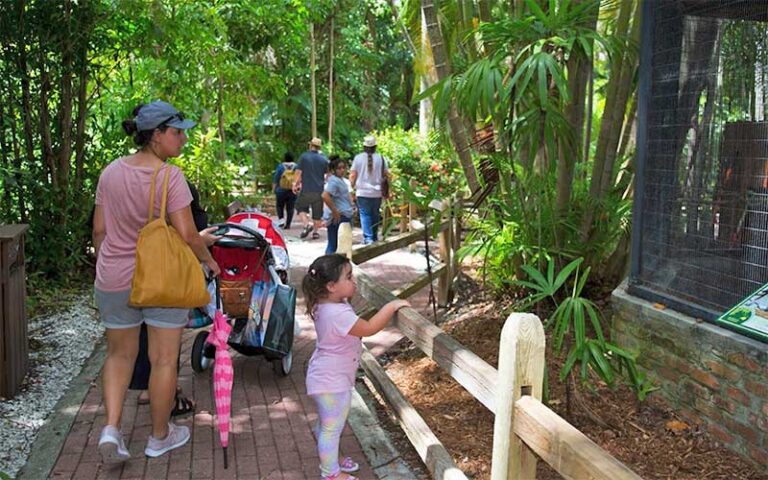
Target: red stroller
(254, 294)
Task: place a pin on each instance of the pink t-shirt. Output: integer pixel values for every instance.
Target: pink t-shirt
(337, 354)
(123, 194)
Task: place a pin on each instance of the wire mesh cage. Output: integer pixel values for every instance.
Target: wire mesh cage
(700, 236)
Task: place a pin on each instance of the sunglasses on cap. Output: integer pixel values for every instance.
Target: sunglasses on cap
(176, 116)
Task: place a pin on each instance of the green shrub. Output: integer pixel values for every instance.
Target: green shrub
(575, 323)
(424, 163)
(212, 176)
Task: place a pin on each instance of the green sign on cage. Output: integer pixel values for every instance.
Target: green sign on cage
(750, 316)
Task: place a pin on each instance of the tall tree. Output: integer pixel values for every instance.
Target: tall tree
(313, 83)
(331, 117)
(443, 69)
(618, 90)
(579, 66)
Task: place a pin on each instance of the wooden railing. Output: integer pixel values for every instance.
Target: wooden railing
(523, 426)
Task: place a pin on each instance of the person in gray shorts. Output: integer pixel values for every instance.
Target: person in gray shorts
(122, 209)
(115, 313)
(310, 179)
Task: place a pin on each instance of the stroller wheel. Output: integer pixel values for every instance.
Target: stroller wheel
(200, 362)
(282, 366)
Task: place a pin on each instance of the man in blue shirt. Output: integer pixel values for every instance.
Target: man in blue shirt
(309, 180)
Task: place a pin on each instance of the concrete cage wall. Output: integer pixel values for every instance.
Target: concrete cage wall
(712, 376)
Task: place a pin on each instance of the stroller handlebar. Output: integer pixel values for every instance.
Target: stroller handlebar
(256, 239)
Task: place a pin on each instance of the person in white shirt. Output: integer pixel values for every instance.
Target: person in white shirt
(368, 173)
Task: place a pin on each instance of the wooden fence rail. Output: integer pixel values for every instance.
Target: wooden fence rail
(523, 426)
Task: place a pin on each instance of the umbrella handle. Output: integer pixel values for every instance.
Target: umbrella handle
(218, 293)
(225, 458)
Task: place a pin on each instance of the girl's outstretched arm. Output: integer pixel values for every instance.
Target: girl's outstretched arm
(365, 328)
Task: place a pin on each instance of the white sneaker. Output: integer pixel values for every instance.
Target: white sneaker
(111, 446)
(177, 436)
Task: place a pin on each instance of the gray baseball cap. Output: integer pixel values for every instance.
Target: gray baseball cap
(157, 113)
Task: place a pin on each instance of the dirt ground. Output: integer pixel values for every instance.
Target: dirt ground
(649, 438)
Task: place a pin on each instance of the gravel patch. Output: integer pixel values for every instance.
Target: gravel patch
(59, 345)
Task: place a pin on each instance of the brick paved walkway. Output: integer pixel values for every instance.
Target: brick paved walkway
(270, 436)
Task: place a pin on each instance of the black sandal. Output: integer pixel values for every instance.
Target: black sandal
(183, 406)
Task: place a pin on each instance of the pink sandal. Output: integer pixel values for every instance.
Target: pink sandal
(348, 465)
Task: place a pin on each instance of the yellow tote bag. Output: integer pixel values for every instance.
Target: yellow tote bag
(167, 274)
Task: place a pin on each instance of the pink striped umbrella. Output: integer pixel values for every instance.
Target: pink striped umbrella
(223, 374)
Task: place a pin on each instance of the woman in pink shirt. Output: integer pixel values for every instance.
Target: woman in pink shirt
(328, 287)
(122, 202)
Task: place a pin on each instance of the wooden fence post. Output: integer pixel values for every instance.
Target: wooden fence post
(404, 220)
(445, 281)
(457, 210)
(412, 213)
(521, 372)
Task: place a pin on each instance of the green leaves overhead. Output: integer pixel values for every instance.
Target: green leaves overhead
(71, 72)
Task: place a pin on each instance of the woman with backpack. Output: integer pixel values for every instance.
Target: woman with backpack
(282, 185)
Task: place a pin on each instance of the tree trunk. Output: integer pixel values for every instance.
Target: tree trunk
(4, 160)
(313, 89)
(698, 155)
(368, 107)
(220, 116)
(607, 127)
(403, 28)
(590, 110)
(516, 8)
(20, 195)
(484, 8)
(26, 96)
(14, 149)
(65, 106)
(330, 89)
(45, 124)
(82, 114)
(617, 116)
(630, 125)
(443, 69)
(579, 69)
(425, 104)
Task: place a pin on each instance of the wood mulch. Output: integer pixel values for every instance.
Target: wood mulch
(649, 438)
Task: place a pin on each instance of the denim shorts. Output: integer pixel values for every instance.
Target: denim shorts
(115, 312)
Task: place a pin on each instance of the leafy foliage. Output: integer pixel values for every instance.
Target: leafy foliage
(575, 322)
(419, 165)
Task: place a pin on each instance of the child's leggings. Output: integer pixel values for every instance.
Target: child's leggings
(333, 409)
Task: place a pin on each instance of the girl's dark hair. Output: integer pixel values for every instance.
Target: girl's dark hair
(324, 270)
(288, 157)
(140, 137)
(334, 163)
